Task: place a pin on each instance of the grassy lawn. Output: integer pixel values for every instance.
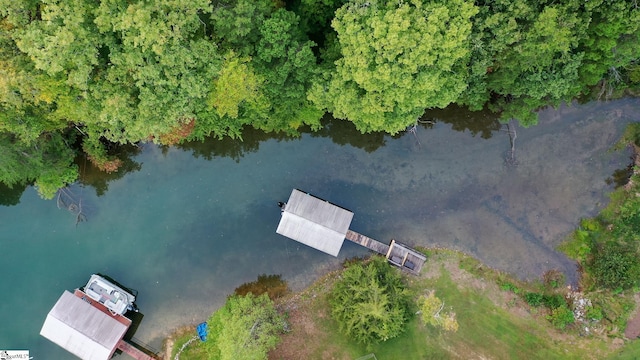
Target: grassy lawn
(630, 352)
(494, 324)
(194, 350)
(491, 331)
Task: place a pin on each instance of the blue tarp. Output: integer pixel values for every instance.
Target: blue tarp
(202, 331)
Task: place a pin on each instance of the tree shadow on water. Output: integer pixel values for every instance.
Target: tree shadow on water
(235, 149)
(90, 175)
(343, 132)
(621, 177)
(484, 122)
(10, 196)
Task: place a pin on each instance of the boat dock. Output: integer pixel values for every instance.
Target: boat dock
(396, 253)
(324, 226)
(367, 242)
(87, 328)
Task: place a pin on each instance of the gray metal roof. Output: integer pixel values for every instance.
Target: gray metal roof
(314, 222)
(82, 329)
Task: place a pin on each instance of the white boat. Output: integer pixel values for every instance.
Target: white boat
(113, 297)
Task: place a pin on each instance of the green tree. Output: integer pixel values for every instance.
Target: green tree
(276, 71)
(237, 85)
(47, 162)
(236, 23)
(160, 69)
(526, 56)
(285, 59)
(136, 70)
(370, 302)
(246, 327)
(64, 41)
(117, 70)
(398, 58)
(28, 97)
(611, 42)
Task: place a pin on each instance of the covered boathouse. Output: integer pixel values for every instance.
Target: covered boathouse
(87, 329)
(314, 222)
(324, 226)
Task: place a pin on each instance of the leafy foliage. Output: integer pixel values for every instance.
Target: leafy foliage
(398, 58)
(594, 313)
(246, 327)
(431, 313)
(370, 302)
(615, 265)
(507, 286)
(611, 41)
(553, 301)
(236, 85)
(525, 55)
(47, 162)
(533, 298)
(285, 59)
(607, 246)
(169, 71)
(561, 317)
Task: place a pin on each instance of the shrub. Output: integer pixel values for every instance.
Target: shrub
(579, 245)
(431, 313)
(561, 316)
(594, 313)
(553, 301)
(533, 299)
(510, 287)
(615, 265)
(370, 302)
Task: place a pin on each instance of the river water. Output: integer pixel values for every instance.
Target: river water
(187, 225)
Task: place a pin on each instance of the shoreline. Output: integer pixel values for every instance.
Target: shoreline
(295, 299)
(469, 275)
(289, 302)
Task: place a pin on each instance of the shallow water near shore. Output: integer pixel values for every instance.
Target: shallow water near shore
(184, 231)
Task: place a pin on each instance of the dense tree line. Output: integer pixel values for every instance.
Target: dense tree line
(81, 76)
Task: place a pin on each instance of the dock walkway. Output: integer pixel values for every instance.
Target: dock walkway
(367, 242)
(396, 253)
(133, 351)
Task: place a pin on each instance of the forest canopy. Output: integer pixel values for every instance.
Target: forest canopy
(80, 77)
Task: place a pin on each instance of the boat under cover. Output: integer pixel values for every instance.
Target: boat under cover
(116, 299)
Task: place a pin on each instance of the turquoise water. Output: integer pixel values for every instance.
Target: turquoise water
(185, 231)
